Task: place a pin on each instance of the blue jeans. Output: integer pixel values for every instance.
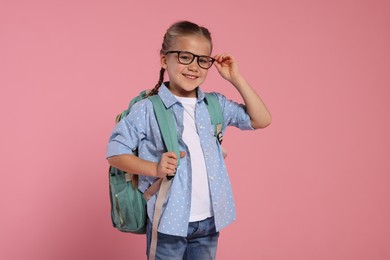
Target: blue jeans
(200, 244)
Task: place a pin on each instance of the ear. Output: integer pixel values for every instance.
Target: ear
(163, 60)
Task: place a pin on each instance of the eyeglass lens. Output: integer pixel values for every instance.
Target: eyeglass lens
(186, 58)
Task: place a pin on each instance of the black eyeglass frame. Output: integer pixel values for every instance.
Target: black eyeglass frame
(193, 57)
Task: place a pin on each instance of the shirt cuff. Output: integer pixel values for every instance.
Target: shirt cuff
(115, 148)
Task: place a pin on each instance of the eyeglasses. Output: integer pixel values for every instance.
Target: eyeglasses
(186, 58)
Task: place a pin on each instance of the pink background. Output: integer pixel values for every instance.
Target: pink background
(314, 185)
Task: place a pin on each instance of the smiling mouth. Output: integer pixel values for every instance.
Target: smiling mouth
(190, 76)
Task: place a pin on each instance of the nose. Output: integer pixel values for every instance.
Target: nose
(194, 66)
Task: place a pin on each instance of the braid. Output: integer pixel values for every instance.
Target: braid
(154, 91)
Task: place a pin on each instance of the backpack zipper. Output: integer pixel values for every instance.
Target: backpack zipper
(118, 209)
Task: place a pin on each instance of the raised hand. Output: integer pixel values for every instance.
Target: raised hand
(227, 66)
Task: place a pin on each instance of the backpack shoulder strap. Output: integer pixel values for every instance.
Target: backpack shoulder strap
(168, 130)
(166, 124)
(215, 112)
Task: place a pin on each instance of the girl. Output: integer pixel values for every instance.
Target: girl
(199, 203)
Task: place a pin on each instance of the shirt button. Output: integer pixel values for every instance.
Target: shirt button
(211, 178)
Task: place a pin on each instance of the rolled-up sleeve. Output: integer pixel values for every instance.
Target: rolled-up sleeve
(234, 114)
(128, 133)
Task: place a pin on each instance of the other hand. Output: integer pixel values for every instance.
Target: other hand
(168, 164)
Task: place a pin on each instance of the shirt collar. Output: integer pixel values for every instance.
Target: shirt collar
(169, 99)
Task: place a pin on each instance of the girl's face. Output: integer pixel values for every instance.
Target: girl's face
(184, 79)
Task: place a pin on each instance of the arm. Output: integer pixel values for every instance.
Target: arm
(258, 112)
(135, 165)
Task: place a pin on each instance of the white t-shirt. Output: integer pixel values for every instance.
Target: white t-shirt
(200, 195)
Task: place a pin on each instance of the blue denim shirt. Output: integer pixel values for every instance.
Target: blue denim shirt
(140, 129)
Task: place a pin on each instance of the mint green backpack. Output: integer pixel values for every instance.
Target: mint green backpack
(128, 204)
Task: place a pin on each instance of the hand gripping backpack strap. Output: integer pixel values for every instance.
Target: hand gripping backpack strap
(168, 131)
(216, 116)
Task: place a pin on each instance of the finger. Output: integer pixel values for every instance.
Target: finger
(172, 163)
(218, 57)
(221, 57)
(171, 171)
(182, 154)
(168, 169)
(170, 155)
(226, 60)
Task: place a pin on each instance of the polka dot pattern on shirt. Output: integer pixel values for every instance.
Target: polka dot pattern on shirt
(140, 129)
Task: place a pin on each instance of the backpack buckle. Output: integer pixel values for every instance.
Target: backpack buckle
(219, 134)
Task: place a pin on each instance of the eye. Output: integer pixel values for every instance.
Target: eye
(204, 59)
(186, 56)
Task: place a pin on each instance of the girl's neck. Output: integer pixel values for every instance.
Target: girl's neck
(182, 93)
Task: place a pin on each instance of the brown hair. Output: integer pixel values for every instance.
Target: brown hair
(182, 28)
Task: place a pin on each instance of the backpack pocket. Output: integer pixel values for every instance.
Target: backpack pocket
(128, 207)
